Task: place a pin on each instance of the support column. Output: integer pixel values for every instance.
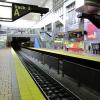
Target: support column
(81, 26)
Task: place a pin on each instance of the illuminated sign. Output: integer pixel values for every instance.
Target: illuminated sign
(19, 10)
(91, 31)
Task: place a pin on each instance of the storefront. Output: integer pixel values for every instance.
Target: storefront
(59, 40)
(93, 38)
(75, 41)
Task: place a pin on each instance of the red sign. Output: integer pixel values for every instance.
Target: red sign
(91, 29)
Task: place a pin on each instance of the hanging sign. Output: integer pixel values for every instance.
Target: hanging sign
(19, 10)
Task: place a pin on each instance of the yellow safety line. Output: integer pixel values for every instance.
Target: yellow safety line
(28, 89)
(66, 54)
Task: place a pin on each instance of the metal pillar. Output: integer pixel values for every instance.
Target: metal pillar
(81, 26)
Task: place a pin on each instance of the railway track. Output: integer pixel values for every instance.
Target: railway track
(51, 88)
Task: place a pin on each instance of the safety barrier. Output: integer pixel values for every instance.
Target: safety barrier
(82, 74)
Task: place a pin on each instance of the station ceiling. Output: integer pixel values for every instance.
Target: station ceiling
(33, 2)
(30, 19)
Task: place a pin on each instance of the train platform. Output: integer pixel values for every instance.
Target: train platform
(82, 55)
(79, 69)
(15, 81)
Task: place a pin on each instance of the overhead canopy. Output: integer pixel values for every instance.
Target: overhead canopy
(95, 19)
(90, 9)
(93, 2)
(88, 6)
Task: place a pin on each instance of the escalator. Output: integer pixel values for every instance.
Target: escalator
(37, 43)
(43, 40)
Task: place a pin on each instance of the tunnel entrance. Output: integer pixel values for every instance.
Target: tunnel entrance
(16, 42)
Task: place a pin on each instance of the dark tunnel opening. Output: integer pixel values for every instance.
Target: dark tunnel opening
(17, 41)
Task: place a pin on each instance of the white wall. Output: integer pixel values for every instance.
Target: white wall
(18, 24)
(5, 12)
(49, 4)
(79, 3)
(32, 2)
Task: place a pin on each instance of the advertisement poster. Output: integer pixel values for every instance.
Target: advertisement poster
(91, 31)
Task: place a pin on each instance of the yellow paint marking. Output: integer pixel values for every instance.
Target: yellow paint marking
(66, 54)
(28, 89)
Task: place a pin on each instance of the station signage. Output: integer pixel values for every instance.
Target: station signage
(91, 30)
(19, 10)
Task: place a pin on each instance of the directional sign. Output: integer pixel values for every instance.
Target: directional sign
(19, 10)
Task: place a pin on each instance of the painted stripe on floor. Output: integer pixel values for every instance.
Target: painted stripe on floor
(61, 52)
(27, 87)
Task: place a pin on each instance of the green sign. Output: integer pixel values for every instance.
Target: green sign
(19, 10)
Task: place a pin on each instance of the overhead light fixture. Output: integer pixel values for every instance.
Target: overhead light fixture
(5, 4)
(5, 11)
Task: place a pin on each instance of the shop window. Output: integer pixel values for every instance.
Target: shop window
(71, 17)
(76, 36)
(71, 14)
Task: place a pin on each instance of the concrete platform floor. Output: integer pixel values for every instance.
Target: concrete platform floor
(9, 89)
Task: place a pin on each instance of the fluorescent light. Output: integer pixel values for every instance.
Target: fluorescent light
(5, 20)
(5, 12)
(5, 4)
